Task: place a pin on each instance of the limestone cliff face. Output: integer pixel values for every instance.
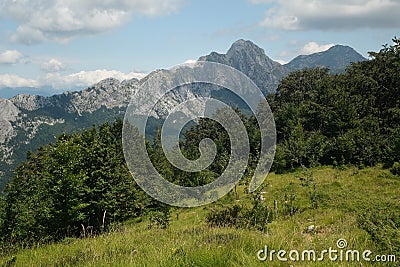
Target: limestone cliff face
(109, 93)
(8, 113)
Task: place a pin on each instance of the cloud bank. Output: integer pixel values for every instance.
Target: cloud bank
(59, 82)
(11, 57)
(12, 80)
(61, 20)
(331, 14)
(86, 78)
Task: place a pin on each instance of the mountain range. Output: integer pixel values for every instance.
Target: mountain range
(29, 121)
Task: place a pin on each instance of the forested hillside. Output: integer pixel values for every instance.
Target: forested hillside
(351, 118)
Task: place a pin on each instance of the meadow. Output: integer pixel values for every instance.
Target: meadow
(315, 208)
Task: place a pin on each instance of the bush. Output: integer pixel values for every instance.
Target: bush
(257, 218)
(395, 170)
(237, 216)
(225, 218)
(160, 218)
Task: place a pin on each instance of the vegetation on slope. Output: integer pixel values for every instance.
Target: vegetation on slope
(345, 196)
(352, 118)
(80, 186)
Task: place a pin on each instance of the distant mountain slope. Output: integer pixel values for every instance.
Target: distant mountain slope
(109, 93)
(337, 58)
(27, 121)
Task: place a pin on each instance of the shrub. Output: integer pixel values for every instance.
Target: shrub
(160, 218)
(395, 170)
(225, 218)
(257, 217)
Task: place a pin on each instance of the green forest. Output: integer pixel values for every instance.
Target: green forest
(80, 185)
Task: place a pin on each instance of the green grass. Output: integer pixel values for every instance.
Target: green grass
(343, 196)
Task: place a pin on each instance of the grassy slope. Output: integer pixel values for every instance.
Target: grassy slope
(190, 242)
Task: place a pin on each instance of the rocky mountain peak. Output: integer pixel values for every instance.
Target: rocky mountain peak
(246, 51)
(341, 49)
(244, 46)
(250, 59)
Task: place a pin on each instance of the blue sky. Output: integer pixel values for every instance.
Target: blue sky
(75, 43)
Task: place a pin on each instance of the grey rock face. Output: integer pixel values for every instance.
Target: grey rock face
(8, 113)
(29, 102)
(109, 93)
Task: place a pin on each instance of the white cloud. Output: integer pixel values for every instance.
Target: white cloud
(11, 80)
(313, 47)
(272, 20)
(54, 65)
(190, 61)
(331, 14)
(86, 78)
(61, 20)
(281, 61)
(11, 57)
(57, 81)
